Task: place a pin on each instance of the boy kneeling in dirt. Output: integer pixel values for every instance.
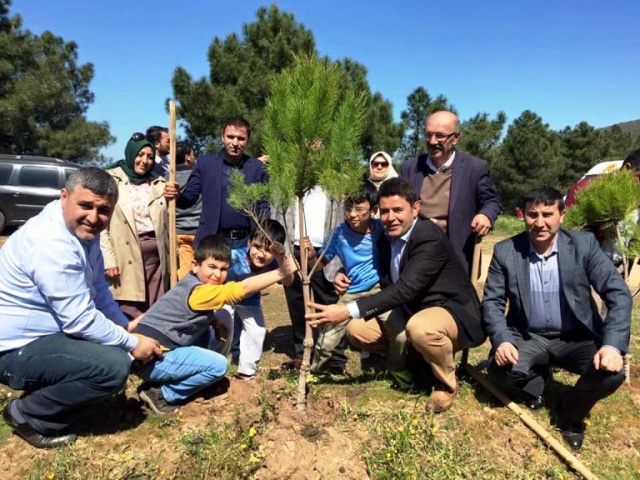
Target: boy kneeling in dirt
(181, 322)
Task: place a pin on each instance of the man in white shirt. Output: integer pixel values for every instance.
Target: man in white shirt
(63, 339)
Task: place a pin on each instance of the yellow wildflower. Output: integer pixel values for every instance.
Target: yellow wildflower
(252, 432)
(244, 446)
(51, 475)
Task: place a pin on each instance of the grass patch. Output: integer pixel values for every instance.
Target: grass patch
(507, 226)
(220, 451)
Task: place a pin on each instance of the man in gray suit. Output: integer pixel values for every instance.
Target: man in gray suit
(545, 274)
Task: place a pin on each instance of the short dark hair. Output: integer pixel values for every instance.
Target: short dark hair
(368, 193)
(154, 134)
(543, 196)
(274, 231)
(633, 160)
(213, 246)
(182, 150)
(239, 122)
(400, 187)
(94, 179)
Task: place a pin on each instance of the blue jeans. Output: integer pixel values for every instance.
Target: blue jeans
(60, 375)
(185, 371)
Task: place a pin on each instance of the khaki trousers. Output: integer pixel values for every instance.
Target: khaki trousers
(330, 336)
(185, 254)
(432, 332)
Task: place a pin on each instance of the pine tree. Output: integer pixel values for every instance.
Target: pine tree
(311, 133)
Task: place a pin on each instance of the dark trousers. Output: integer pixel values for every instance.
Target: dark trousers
(535, 356)
(324, 293)
(59, 375)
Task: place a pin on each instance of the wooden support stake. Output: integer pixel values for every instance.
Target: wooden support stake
(173, 241)
(529, 421)
(475, 274)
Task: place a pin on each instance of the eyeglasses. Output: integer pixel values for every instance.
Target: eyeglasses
(439, 136)
(379, 164)
(358, 210)
(136, 137)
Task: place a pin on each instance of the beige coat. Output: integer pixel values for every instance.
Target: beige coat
(120, 245)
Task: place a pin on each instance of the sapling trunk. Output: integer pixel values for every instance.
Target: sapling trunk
(301, 401)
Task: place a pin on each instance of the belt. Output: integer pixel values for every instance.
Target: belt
(235, 234)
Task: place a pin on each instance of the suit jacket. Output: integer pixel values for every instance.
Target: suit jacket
(430, 276)
(472, 192)
(582, 264)
(206, 180)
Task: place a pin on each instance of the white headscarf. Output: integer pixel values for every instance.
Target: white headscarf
(391, 173)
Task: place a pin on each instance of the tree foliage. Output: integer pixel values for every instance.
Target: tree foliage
(527, 158)
(239, 83)
(617, 143)
(312, 132)
(582, 147)
(608, 206)
(480, 135)
(44, 95)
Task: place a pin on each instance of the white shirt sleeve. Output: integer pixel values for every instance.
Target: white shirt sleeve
(64, 279)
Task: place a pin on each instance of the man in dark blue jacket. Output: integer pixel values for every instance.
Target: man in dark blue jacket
(211, 179)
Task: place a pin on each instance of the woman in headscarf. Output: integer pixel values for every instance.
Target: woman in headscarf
(381, 168)
(135, 246)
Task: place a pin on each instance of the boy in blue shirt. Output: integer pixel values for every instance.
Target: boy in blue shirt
(181, 322)
(246, 317)
(355, 242)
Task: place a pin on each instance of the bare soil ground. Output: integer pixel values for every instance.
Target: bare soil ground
(351, 426)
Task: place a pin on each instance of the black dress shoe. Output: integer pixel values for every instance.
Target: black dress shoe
(31, 436)
(573, 434)
(534, 403)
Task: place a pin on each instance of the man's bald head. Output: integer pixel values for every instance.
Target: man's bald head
(442, 130)
(446, 119)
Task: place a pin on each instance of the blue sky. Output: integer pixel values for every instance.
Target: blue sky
(568, 61)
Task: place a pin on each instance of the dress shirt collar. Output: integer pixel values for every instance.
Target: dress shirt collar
(447, 164)
(533, 253)
(404, 238)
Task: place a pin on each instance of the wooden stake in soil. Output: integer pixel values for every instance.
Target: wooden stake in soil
(301, 400)
(529, 421)
(475, 275)
(173, 242)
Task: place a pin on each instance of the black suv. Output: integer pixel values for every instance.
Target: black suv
(27, 184)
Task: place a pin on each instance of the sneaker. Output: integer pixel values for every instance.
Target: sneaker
(244, 376)
(152, 397)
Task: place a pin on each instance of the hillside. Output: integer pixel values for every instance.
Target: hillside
(632, 127)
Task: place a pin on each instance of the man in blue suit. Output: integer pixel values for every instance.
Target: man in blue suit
(210, 178)
(545, 275)
(456, 192)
